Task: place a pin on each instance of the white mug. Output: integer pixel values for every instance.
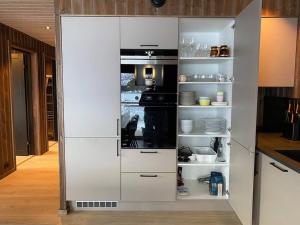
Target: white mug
(150, 82)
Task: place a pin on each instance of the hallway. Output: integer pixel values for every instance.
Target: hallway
(31, 194)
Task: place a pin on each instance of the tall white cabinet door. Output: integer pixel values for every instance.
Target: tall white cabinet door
(92, 169)
(241, 182)
(246, 53)
(91, 76)
(149, 32)
(246, 64)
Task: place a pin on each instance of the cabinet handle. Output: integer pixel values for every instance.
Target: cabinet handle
(117, 127)
(118, 148)
(149, 45)
(149, 152)
(143, 175)
(278, 167)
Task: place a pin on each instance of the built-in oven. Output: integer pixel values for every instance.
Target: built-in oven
(149, 98)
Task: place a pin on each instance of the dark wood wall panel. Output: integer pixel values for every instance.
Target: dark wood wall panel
(11, 37)
(6, 140)
(281, 8)
(199, 8)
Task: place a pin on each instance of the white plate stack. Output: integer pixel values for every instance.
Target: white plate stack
(213, 125)
(187, 98)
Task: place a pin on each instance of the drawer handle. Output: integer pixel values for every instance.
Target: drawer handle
(149, 45)
(149, 152)
(142, 175)
(278, 167)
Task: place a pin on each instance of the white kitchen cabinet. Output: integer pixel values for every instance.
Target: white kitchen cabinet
(148, 160)
(279, 193)
(242, 35)
(91, 76)
(149, 32)
(148, 186)
(92, 169)
(278, 52)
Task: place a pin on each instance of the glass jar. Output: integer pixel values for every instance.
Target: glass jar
(214, 51)
(224, 51)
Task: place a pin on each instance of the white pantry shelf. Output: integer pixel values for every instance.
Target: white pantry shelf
(205, 60)
(202, 83)
(202, 134)
(197, 163)
(204, 107)
(198, 191)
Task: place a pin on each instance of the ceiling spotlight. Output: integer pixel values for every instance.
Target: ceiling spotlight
(48, 27)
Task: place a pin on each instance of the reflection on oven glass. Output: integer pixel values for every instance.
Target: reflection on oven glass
(148, 127)
(127, 79)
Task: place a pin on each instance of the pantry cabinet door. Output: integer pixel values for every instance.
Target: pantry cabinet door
(245, 72)
(91, 76)
(244, 101)
(241, 182)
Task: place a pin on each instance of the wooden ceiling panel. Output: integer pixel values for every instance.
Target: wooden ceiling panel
(30, 17)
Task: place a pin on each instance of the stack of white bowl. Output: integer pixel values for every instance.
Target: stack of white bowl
(213, 125)
(186, 126)
(187, 98)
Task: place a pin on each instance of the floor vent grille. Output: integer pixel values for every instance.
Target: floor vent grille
(96, 204)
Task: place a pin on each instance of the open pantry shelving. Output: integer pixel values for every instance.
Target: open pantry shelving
(213, 32)
(198, 191)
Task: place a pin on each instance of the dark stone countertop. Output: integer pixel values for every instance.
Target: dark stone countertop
(267, 143)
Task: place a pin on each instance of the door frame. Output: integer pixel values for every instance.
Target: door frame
(32, 100)
(28, 100)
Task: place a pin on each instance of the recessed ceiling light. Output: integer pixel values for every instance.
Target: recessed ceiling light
(48, 27)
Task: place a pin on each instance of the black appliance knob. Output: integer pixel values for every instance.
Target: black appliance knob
(136, 97)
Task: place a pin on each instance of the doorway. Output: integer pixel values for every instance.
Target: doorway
(20, 71)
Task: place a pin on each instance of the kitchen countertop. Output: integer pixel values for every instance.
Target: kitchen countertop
(267, 143)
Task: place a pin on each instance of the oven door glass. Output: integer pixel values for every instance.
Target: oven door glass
(161, 78)
(148, 127)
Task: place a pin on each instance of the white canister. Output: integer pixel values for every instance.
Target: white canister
(182, 78)
(220, 96)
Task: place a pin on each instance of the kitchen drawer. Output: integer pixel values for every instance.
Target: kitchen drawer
(139, 160)
(148, 186)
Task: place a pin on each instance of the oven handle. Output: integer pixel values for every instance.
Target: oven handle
(153, 45)
(149, 62)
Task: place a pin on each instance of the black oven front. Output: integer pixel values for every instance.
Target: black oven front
(148, 99)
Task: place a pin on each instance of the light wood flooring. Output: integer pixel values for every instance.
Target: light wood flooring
(31, 196)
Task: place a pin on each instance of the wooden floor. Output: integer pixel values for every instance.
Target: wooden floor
(31, 196)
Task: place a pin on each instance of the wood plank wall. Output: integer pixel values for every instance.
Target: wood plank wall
(11, 37)
(198, 8)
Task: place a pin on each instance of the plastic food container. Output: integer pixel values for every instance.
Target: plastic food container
(204, 101)
(205, 154)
